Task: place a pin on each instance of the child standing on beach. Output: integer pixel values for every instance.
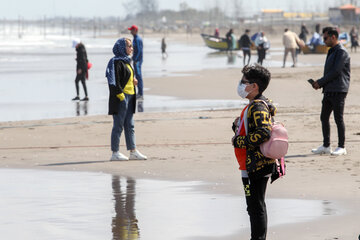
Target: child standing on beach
(252, 128)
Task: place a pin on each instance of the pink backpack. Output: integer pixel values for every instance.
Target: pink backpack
(277, 146)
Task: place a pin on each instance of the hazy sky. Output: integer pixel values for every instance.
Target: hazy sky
(90, 8)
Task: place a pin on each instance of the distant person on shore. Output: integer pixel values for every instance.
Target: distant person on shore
(354, 37)
(335, 84)
(122, 100)
(262, 45)
(253, 128)
(290, 42)
(229, 40)
(81, 69)
(303, 36)
(217, 33)
(245, 45)
(316, 38)
(138, 60)
(163, 48)
(303, 33)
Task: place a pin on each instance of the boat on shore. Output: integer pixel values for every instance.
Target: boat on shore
(217, 43)
(344, 39)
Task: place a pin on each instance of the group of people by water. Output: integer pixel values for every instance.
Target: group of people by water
(254, 125)
(245, 43)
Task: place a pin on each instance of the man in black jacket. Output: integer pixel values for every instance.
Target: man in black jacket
(335, 84)
(245, 45)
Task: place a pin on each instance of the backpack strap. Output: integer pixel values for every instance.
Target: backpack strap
(267, 106)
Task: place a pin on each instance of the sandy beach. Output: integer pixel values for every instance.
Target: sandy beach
(195, 146)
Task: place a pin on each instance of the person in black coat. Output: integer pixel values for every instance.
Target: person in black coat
(335, 86)
(81, 69)
(122, 100)
(245, 45)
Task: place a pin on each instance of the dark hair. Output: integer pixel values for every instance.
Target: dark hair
(331, 31)
(286, 29)
(256, 73)
(247, 30)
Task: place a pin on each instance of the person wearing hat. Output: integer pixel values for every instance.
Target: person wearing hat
(137, 59)
(81, 69)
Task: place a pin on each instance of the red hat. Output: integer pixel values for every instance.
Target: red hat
(133, 27)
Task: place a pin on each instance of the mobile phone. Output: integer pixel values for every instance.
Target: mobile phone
(311, 81)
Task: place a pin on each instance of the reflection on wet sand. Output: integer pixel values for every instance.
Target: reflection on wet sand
(124, 224)
(231, 58)
(77, 206)
(81, 107)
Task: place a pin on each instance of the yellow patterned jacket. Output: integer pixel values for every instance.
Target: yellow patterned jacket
(259, 131)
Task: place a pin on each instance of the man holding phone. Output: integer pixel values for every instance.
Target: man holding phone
(335, 84)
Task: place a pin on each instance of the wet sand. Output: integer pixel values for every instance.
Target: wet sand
(195, 146)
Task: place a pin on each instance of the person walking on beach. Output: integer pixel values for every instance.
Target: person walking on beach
(335, 84)
(245, 45)
(122, 100)
(354, 36)
(262, 45)
(163, 48)
(229, 40)
(252, 128)
(290, 42)
(303, 33)
(137, 60)
(81, 69)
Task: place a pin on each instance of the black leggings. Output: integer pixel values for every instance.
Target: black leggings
(333, 102)
(81, 77)
(248, 53)
(255, 190)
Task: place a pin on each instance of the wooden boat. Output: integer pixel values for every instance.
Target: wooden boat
(344, 39)
(217, 43)
(319, 49)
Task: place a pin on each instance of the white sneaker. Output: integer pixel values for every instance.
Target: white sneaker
(116, 156)
(136, 155)
(321, 150)
(339, 151)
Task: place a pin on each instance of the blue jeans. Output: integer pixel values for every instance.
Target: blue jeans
(138, 76)
(124, 120)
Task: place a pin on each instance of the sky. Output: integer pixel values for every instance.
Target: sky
(34, 9)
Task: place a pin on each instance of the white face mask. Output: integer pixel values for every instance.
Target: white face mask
(241, 90)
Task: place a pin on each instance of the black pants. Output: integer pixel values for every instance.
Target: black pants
(261, 55)
(247, 52)
(255, 199)
(333, 102)
(81, 77)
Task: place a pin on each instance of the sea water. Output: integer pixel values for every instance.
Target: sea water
(37, 75)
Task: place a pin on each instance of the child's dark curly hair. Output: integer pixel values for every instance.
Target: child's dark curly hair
(256, 73)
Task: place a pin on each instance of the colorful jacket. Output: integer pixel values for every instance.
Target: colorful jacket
(122, 75)
(259, 119)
